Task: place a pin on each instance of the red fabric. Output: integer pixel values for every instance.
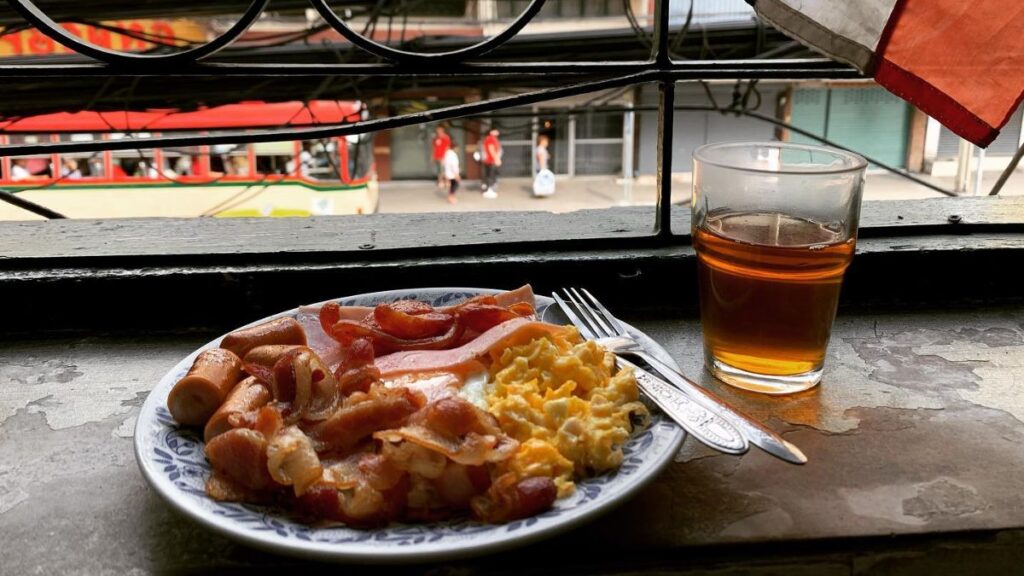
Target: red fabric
(491, 143)
(960, 62)
(441, 145)
(934, 103)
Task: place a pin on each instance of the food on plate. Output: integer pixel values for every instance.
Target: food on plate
(204, 388)
(279, 331)
(562, 400)
(246, 396)
(410, 412)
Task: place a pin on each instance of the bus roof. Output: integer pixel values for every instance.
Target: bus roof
(229, 116)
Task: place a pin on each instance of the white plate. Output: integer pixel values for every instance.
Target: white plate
(172, 461)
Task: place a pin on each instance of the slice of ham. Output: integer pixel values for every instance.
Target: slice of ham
(328, 349)
(521, 295)
(465, 358)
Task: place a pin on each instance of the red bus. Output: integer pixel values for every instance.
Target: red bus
(320, 177)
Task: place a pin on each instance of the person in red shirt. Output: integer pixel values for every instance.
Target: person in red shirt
(492, 160)
(442, 142)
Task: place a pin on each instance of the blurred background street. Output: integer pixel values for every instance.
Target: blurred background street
(582, 192)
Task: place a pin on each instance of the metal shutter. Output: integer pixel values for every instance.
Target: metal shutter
(1005, 145)
(867, 120)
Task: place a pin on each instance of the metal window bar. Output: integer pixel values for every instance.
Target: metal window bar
(594, 77)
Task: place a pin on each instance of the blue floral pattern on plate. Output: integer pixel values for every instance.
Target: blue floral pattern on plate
(172, 460)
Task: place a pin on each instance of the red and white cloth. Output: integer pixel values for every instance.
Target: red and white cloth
(959, 61)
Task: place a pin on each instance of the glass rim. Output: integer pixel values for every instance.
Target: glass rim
(857, 161)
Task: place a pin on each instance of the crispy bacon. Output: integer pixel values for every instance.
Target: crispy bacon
(483, 317)
(224, 490)
(411, 307)
(380, 472)
(456, 486)
(316, 391)
(358, 379)
(412, 325)
(383, 408)
(298, 380)
(415, 459)
(292, 460)
(358, 353)
(394, 321)
(240, 455)
(473, 449)
(346, 331)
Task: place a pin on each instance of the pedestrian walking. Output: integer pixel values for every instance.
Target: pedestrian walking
(492, 161)
(544, 180)
(441, 144)
(451, 172)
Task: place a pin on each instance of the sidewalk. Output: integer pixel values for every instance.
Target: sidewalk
(584, 192)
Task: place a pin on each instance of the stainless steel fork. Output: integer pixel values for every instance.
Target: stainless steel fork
(596, 322)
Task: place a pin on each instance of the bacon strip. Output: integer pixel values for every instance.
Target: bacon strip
(472, 449)
(346, 331)
(385, 408)
(240, 455)
(332, 352)
(394, 321)
(292, 461)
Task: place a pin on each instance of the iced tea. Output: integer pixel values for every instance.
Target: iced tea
(769, 287)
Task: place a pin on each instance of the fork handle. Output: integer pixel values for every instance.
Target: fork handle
(702, 423)
(756, 432)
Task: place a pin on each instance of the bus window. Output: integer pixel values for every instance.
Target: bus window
(133, 163)
(229, 159)
(181, 161)
(317, 160)
(29, 167)
(273, 157)
(325, 160)
(81, 164)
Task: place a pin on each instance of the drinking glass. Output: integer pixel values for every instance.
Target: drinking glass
(774, 227)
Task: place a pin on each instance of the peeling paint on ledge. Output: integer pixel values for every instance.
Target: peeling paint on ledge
(74, 389)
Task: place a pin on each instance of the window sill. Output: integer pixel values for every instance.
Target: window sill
(178, 273)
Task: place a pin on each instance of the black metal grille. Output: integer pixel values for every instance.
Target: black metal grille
(590, 76)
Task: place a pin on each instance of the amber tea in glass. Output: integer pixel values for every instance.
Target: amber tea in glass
(774, 227)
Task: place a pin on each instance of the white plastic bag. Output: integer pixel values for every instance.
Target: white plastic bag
(544, 183)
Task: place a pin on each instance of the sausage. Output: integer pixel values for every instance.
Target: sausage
(246, 396)
(280, 331)
(202, 391)
(267, 355)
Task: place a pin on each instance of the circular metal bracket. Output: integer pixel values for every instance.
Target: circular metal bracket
(49, 27)
(406, 57)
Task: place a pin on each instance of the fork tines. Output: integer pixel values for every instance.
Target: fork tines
(589, 315)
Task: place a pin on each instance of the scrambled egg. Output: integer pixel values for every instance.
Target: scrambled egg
(559, 398)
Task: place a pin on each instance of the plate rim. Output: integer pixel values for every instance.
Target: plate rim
(397, 554)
